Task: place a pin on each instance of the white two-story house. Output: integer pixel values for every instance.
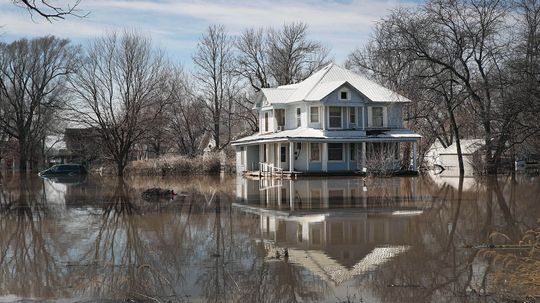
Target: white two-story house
(332, 122)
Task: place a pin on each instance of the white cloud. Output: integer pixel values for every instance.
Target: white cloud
(176, 25)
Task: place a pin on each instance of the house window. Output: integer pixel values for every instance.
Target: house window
(353, 151)
(314, 114)
(334, 114)
(352, 115)
(377, 116)
(298, 117)
(344, 94)
(335, 151)
(280, 117)
(265, 122)
(314, 152)
(264, 152)
(283, 154)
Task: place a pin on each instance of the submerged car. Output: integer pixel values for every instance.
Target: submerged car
(64, 170)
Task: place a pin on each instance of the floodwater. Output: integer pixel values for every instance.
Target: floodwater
(228, 239)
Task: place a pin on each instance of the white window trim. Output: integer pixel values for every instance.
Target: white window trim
(331, 127)
(343, 153)
(346, 90)
(385, 116)
(320, 152)
(298, 116)
(318, 115)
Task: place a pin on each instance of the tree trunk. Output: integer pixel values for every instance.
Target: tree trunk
(120, 166)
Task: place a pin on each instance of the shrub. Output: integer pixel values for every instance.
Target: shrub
(176, 165)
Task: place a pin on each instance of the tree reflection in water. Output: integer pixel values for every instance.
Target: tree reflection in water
(27, 257)
(122, 261)
(441, 265)
(105, 242)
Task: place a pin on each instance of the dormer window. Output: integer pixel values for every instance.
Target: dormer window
(344, 94)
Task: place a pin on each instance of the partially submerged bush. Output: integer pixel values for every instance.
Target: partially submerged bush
(176, 165)
(382, 162)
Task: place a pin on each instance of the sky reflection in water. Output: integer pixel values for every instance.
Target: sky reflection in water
(224, 239)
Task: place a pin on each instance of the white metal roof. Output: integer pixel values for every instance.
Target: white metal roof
(468, 146)
(312, 134)
(325, 81)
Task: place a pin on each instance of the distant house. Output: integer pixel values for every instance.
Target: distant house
(82, 145)
(447, 158)
(332, 122)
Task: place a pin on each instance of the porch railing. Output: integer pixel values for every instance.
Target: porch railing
(268, 169)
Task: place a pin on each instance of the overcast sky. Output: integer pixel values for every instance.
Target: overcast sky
(341, 25)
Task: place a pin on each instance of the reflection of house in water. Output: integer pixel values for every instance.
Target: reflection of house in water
(336, 228)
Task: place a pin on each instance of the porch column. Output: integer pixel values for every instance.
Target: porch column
(325, 157)
(363, 155)
(414, 164)
(291, 156)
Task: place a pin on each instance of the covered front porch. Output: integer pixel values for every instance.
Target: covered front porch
(290, 157)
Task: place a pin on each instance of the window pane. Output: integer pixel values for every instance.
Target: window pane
(335, 116)
(298, 117)
(377, 116)
(353, 151)
(283, 154)
(314, 115)
(315, 154)
(352, 115)
(335, 151)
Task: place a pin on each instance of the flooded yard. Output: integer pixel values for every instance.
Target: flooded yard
(228, 239)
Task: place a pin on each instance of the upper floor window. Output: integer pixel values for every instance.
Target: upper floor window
(298, 117)
(377, 116)
(314, 114)
(344, 94)
(280, 117)
(334, 116)
(352, 115)
(265, 122)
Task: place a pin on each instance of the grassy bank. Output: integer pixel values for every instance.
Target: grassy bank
(179, 165)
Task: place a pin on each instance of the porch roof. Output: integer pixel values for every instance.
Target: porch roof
(319, 135)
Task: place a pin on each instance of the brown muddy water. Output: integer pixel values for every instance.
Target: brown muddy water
(228, 239)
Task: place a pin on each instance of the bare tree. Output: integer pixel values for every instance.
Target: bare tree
(49, 9)
(187, 119)
(277, 57)
(292, 56)
(466, 44)
(272, 57)
(217, 80)
(119, 91)
(33, 90)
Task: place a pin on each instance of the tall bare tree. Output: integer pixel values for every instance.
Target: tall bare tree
(292, 56)
(218, 83)
(187, 117)
(33, 76)
(119, 91)
(282, 56)
(467, 44)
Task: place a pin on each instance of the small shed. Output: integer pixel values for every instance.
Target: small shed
(437, 155)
